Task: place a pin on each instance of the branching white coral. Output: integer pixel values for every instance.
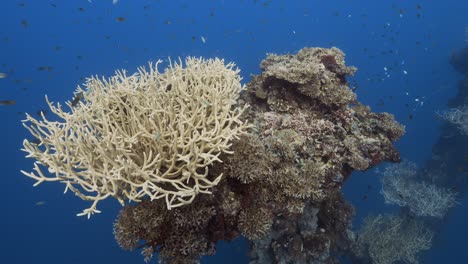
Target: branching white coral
(148, 134)
(423, 199)
(388, 239)
(457, 117)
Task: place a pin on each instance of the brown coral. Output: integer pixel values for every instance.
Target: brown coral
(254, 223)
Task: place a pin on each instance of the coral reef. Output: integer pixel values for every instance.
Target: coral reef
(309, 119)
(287, 143)
(282, 182)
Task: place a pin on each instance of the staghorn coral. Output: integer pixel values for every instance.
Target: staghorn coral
(401, 187)
(387, 239)
(149, 134)
(457, 117)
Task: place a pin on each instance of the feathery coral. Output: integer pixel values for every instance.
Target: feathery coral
(148, 134)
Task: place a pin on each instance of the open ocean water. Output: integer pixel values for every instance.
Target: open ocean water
(410, 61)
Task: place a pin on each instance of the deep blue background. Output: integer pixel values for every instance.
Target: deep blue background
(413, 36)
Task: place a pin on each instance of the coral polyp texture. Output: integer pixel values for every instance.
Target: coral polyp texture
(148, 135)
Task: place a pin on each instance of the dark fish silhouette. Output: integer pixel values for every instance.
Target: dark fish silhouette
(7, 102)
(77, 99)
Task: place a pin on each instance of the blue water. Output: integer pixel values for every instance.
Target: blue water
(413, 40)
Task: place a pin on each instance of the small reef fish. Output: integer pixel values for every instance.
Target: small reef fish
(40, 203)
(77, 99)
(3, 75)
(25, 23)
(45, 68)
(7, 102)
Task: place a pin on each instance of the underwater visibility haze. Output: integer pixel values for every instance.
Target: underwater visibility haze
(243, 131)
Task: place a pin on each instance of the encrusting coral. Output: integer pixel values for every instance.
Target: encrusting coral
(149, 135)
(281, 172)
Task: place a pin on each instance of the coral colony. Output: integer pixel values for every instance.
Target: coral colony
(195, 157)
